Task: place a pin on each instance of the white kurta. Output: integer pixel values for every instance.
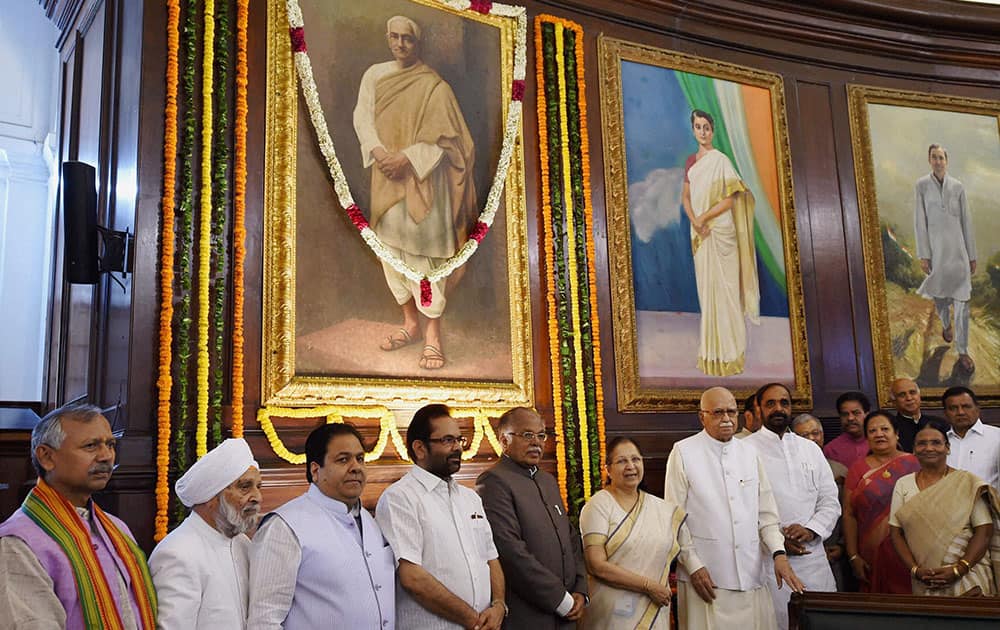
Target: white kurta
(806, 494)
(441, 526)
(200, 577)
(943, 228)
(978, 452)
(733, 521)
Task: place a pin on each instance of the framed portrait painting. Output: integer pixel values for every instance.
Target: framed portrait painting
(415, 98)
(928, 174)
(701, 229)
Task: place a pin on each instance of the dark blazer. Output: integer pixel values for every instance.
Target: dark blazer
(540, 550)
(908, 429)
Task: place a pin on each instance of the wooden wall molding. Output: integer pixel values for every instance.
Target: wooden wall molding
(914, 38)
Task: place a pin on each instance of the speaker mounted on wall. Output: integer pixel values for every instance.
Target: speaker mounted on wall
(86, 255)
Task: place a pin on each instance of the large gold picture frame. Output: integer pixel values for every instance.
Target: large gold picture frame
(891, 133)
(639, 392)
(283, 383)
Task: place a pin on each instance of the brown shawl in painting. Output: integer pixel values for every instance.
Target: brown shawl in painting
(415, 105)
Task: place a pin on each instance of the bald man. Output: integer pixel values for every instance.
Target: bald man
(906, 398)
(722, 485)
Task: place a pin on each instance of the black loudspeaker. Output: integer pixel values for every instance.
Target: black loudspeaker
(80, 222)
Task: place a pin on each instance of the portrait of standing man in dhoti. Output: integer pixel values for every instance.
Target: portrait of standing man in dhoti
(415, 98)
(414, 139)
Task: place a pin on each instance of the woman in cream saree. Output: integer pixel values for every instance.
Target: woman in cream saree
(943, 523)
(720, 208)
(630, 538)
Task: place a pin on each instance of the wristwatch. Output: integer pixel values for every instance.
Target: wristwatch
(780, 552)
(506, 611)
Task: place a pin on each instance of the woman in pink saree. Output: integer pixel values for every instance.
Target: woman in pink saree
(867, 501)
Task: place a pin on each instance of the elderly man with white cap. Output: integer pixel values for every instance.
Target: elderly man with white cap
(201, 569)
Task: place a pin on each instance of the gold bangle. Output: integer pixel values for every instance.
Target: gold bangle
(913, 571)
(645, 585)
(954, 568)
(852, 558)
(966, 563)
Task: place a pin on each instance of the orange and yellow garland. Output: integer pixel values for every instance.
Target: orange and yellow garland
(552, 65)
(164, 381)
(387, 427)
(550, 280)
(239, 211)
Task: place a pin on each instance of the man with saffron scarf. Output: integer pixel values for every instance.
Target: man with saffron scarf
(413, 135)
(201, 569)
(64, 562)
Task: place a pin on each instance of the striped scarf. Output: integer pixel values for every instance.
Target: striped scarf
(57, 518)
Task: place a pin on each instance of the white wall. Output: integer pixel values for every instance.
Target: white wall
(28, 111)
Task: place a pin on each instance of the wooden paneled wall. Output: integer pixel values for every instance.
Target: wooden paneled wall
(817, 46)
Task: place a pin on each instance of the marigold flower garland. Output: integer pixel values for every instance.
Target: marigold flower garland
(550, 293)
(583, 217)
(164, 380)
(205, 230)
(239, 211)
(512, 124)
(184, 234)
(220, 196)
(387, 428)
(570, 273)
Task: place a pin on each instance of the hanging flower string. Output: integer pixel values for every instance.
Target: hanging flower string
(205, 230)
(387, 428)
(512, 126)
(548, 245)
(574, 306)
(239, 210)
(568, 244)
(164, 380)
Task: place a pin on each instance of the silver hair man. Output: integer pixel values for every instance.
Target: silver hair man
(49, 430)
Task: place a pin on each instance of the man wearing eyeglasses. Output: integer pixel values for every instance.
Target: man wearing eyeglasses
(805, 492)
(447, 568)
(540, 549)
(722, 485)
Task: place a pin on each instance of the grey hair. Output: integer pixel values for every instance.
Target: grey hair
(49, 430)
(402, 18)
(804, 417)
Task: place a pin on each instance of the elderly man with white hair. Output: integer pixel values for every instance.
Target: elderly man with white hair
(201, 569)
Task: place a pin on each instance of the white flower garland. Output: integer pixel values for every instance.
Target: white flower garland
(511, 127)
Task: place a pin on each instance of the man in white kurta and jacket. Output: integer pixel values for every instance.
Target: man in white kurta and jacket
(320, 561)
(946, 247)
(805, 492)
(722, 485)
(200, 569)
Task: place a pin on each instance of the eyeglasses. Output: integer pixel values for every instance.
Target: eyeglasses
(450, 441)
(719, 414)
(530, 436)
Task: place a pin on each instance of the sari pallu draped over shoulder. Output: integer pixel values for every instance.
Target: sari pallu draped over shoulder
(871, 501)
(644, 541)
(725, 265)
(937, 525)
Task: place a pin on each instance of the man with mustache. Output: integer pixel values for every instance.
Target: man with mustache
(200, 569)
(724, 488)
(806, 494)
(975, 446)
(320, 560)
(540, 549)
(851, 445)
(449, 575)
(751, 416)
(65, 562)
